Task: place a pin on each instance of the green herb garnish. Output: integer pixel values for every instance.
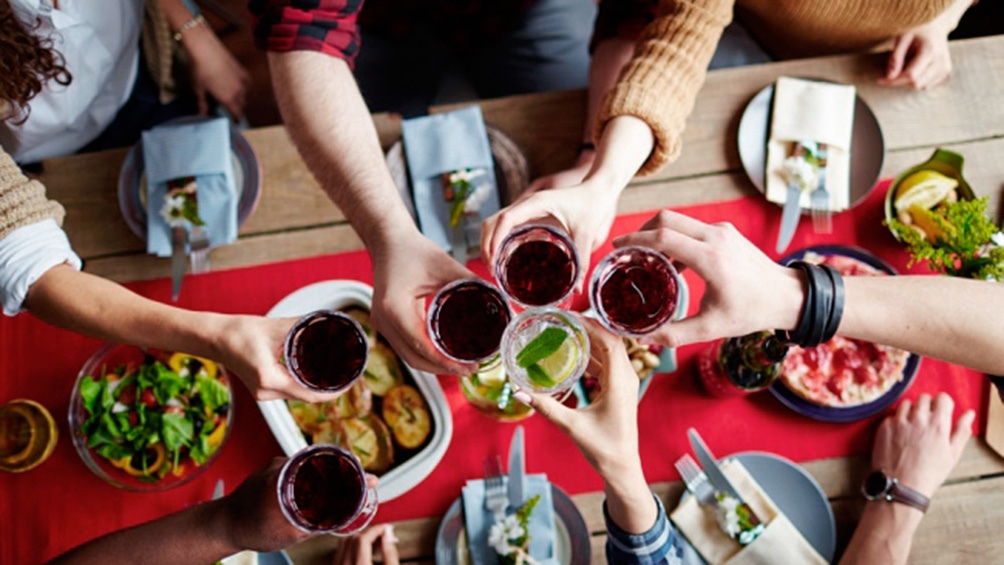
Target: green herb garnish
(539, 376)
(965, 249)
(541, 347)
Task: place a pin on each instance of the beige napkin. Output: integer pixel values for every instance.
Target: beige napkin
(811, 111)
(779, 543)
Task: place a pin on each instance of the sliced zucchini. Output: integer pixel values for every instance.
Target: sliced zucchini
(406, 413)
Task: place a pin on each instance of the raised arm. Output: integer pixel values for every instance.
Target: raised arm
(944, 317)
(606, 432)
(331, 126)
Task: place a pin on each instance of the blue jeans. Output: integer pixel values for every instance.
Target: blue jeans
(549, 50)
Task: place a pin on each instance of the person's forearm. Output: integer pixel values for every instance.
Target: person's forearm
(949, 19)
(884, 534)
(328, 121)
(626, 144)
(196, 535)
(608, 60)
(957, 320)
(93, 306)
(176, 13)
(629, 500)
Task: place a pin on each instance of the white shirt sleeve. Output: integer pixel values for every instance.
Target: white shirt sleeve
(25, 255)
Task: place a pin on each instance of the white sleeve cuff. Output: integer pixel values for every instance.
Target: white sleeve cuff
(25, 255)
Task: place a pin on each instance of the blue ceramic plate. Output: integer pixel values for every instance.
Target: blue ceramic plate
(796, 494)
(850, 413)
(572, 543)
(132, 180)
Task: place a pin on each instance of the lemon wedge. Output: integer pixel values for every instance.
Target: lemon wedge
(560, 364)
(924, 189)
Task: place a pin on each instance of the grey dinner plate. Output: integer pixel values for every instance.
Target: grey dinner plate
(867, 144)
(795, 493)
(573, 531)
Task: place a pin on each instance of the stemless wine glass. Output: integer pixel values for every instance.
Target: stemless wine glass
(322, 489)
(634, 290)
(466, 320)
(537, 265)
(326, 351)
(545, 350)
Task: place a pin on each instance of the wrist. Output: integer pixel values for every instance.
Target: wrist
(900, 518)
(218, 522)
(791, 289)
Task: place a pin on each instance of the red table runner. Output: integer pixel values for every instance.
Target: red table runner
(61, 504)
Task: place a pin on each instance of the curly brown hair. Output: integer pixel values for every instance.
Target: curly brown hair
(28, 63)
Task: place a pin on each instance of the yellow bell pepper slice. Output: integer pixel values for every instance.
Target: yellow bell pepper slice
(179, 360)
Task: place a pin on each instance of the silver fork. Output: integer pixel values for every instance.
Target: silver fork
(821, 221)
(199, 244)
(696, 481)
(496, 498)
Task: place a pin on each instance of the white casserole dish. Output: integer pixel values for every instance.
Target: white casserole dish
(336, 295)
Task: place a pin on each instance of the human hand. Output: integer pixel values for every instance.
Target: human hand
(918, 445)
(920, 58)
(606, 431)
(568, 177)
(251, 347)
(405, 273)
(584, 211)
(745, 292)
(252, 515)
(215, 71)
(358, 549)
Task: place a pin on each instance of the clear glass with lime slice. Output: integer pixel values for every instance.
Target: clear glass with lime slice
(545, 350)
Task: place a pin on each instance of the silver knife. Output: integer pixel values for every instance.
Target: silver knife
(218, 490)
(179, 239)
(517, 470)
(710, 466)
(789, 217)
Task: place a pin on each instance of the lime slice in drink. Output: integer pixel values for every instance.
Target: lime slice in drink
(492, 378)
(559, 365)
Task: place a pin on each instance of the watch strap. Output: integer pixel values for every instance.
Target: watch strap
(899, 492)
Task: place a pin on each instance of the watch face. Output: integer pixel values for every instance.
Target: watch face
(876, 484)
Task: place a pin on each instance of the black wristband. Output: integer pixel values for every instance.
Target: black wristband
(837, 308)
(804, 320)
(823, 294)
(586, 146)
(997, 381)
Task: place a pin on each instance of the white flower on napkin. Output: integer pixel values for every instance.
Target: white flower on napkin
(173, 210)
(477, 199)
(728, 517)
(998, 239)
(502, 532)
(800, 172)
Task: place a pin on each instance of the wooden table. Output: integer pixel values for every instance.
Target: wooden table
(295, 219)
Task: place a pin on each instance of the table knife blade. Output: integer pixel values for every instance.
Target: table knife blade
(710, 466)
(789, 217)
(517, 470)
(179, 238)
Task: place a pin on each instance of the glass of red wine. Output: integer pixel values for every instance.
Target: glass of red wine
(634, 290)
(326, 351)
(466, 320)
(322, 488)
(537, 265)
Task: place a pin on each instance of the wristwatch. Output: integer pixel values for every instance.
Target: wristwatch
(880, 486)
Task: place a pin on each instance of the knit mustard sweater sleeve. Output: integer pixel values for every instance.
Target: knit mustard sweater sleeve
(22, 201)
(660, 83)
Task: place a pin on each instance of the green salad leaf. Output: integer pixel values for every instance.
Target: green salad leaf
(169, 384)
(212, 391)
(177, 430)
(90, 391)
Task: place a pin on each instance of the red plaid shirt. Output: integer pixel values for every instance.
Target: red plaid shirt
(332, 26)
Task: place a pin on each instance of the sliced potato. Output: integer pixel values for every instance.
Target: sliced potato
(309, 417)
(383, 370)
(370, 440)
(363, 317)
(406, 413)
(356, 401)
(330, 432)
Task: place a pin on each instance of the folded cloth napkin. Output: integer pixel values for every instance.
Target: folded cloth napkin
(198, 149)
(443, 143)
(806, 110)
(780, 542)
(478, 521)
